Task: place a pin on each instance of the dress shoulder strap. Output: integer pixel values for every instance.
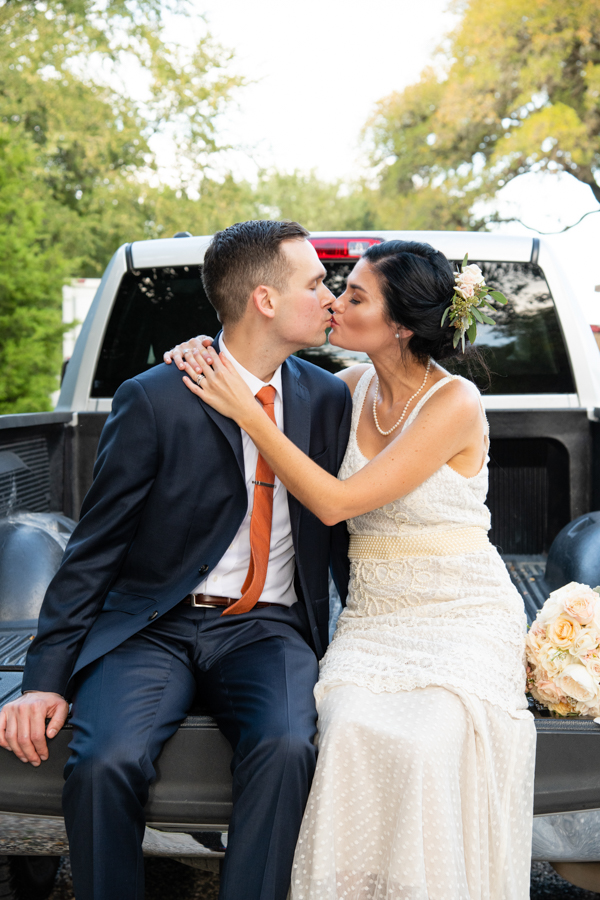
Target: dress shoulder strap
(426, 397)
(430, 394)
(360, 392)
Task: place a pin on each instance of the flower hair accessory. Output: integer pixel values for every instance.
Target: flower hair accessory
(470, 295)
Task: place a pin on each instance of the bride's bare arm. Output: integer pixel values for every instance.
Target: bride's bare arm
(441, 431)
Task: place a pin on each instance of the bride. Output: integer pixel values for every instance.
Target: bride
(424, 782)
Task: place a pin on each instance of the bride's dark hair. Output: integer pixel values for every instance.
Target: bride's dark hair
(417, 283)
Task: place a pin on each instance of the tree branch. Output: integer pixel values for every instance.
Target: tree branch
(537, 230)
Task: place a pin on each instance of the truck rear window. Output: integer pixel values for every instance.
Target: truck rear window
(154, 310)
(157, 308)
(525, 350)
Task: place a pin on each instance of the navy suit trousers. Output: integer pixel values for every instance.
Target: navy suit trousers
(255, 673)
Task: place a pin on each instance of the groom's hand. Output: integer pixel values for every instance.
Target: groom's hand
(23, 724)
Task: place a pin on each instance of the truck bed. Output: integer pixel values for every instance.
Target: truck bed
(193, 790)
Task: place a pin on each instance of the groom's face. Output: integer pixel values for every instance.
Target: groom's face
(301, 310)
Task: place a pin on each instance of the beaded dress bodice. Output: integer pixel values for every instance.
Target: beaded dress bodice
(446, 500)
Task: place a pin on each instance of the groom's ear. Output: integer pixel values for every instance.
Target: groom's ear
(263, 300)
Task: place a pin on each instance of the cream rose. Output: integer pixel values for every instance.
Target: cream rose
(466, 290)
(553, 660)
(584, 643)
(592, 663)
(535, 638)
(581, 604)
(552, 608)
(563, 709)
(563, 632)
(471, 274)
(560, 601)
(577, 682)
(547, 692)
(588, 709)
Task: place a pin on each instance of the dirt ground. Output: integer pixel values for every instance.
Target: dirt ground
(169, 880)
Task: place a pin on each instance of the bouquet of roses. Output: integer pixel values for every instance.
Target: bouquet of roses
(563, 652)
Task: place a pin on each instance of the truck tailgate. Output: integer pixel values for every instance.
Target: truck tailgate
(193, 785)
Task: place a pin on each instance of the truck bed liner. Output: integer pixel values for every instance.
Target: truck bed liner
(527, 575)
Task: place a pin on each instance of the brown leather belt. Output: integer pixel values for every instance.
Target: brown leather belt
(210, 601)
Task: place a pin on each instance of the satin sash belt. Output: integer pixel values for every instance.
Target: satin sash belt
(439, 543)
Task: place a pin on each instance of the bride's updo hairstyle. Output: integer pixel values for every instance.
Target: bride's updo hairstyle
(417, 283)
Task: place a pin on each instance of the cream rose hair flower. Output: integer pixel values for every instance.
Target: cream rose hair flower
(471, 274)
(471, 294)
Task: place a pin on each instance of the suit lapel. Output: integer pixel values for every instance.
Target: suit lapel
(296, 425)
(227, 426)
(296, 406)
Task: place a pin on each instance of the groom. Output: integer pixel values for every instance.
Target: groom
(192, 570)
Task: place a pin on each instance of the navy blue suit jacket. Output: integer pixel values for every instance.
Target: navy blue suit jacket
(167, 499)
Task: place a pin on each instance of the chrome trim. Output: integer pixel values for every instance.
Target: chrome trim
(22, 835)
(492, 402)
(567, 837)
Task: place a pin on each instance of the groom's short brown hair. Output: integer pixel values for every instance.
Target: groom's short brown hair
(243, 256)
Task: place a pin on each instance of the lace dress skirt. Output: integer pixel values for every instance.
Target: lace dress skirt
(424, 782)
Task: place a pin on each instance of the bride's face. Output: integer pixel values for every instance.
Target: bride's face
(358, 321)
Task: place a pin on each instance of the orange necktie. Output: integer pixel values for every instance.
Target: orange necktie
(260, 521)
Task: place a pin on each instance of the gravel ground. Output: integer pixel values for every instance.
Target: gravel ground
(165, 880)
(547, 885)
(169, 880)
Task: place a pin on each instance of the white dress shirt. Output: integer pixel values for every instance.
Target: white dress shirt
(228, 576)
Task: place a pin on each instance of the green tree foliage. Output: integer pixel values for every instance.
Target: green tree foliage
(32, 272)
(318, 205)
(516, 89)
(75, 158)
(66, 76)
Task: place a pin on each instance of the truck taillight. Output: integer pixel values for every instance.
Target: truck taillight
(342, 248)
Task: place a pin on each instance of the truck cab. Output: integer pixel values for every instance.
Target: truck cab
(542, 398)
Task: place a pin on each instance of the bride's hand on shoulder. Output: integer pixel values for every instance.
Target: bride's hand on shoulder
(191, 349)
(216, 382)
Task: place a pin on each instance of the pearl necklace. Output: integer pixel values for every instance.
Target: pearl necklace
(416, 394)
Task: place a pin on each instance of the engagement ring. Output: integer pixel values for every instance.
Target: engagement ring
(199, 379)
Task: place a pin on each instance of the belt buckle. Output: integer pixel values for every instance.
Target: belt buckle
(201, 605)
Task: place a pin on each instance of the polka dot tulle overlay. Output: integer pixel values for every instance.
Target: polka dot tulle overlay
(418, 795)
(424, 781)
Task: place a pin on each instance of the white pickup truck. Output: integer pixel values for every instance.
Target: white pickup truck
(543, 404)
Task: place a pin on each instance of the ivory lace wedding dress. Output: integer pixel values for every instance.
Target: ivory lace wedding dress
(424, 782)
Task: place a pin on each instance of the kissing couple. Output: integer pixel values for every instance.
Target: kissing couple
(200, 564)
